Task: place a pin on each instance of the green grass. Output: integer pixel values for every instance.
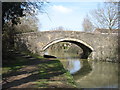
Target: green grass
(54, 68)
(51, 68)
(14, 62)
(48, 69)
(32, 54)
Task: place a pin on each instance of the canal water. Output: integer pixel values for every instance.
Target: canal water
(88, 73)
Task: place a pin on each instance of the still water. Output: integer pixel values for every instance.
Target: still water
(88, 73)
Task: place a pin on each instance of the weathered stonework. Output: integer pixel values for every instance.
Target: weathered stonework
(99, 46)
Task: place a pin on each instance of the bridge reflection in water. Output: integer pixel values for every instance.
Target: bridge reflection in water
(102, 75)
(89, 74)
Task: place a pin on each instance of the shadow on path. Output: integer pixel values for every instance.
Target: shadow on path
(26, 77)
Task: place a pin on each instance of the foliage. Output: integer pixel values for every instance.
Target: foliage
(28, 24)
(7, 39)
(11, 11)
(11, 16)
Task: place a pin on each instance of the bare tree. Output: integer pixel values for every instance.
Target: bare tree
(28, 24)
(60, 28)
(106, 16)
(87, 25)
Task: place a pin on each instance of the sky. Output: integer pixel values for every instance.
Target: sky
(69, 15)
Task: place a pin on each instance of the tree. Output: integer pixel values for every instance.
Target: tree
(28, 24)
(11, 15)
(60, 28)
(106, 16)
(87, 25)
(11, 11)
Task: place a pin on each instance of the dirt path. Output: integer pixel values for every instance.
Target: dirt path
(30, 76)
(24, 77)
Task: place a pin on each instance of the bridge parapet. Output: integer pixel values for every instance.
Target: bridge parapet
(105, 47)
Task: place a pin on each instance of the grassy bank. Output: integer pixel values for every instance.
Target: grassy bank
(25, 70)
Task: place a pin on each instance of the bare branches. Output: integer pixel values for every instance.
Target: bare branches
(87, 24)
(106, 16)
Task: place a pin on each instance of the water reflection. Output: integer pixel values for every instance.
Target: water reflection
(71, 65)
(70, 61)
(76, 66)
(89, 74)
(103, 75)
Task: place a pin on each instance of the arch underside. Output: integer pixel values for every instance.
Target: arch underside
(87, 49)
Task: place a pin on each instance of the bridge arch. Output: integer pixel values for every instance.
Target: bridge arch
(87, 49)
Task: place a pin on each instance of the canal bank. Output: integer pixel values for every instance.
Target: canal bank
(32, 71)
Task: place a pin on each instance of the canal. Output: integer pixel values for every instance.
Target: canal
(87, 73)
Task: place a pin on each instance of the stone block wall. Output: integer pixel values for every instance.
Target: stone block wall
(105, 46)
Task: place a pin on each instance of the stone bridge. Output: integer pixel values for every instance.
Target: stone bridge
(95, 46)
